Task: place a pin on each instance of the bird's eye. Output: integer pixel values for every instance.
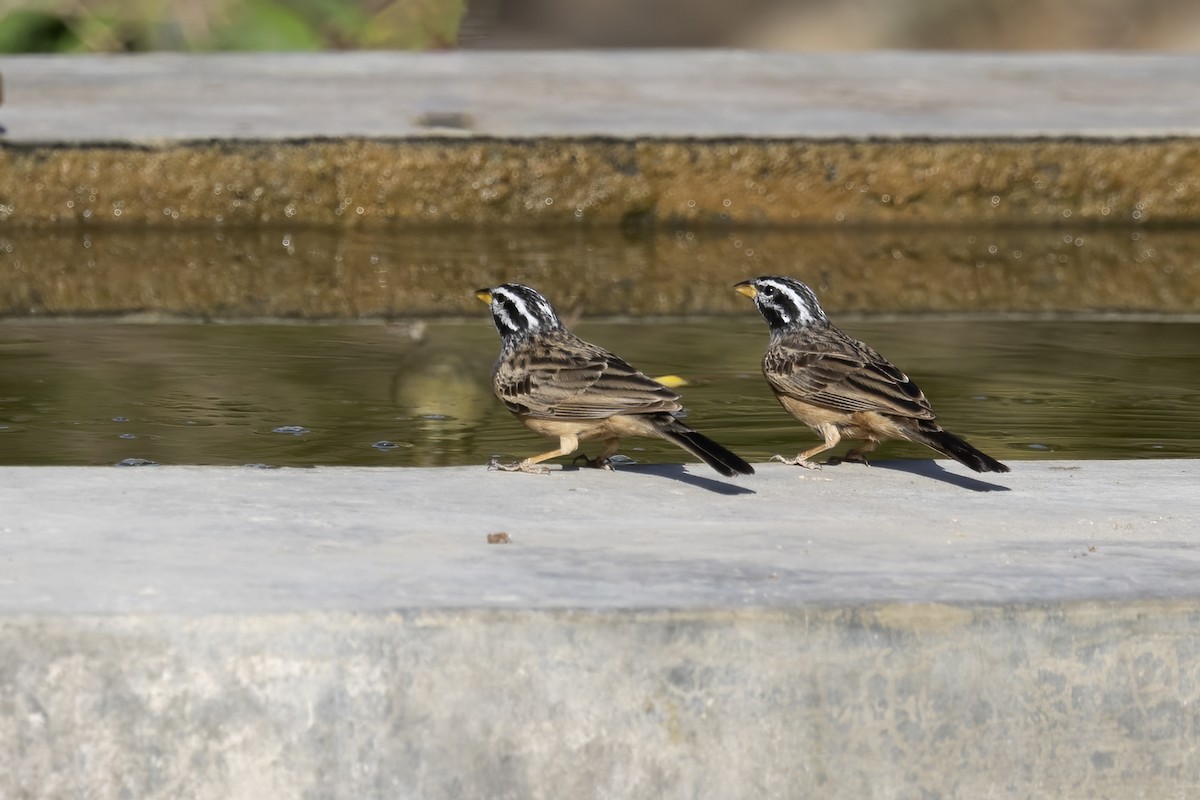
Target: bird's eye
(768, 291)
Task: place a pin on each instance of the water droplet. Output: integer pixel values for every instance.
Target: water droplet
(120, 419)
(136, 462)
(434, 416)
(260, 466)
(295, 430)
(385, 445)
(127, 436)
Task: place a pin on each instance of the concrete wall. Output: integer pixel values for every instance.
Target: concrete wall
(1083, 700)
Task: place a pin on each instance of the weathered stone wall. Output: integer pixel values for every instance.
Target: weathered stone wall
(1083, 700)
(600, 182)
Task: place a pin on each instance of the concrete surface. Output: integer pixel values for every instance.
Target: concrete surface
(166, 97)
(904, 630)
(206, 540)
(630, 138)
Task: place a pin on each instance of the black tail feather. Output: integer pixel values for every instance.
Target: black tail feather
(708, 451)
(957, 448)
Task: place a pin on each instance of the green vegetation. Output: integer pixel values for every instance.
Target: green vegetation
(77, 26)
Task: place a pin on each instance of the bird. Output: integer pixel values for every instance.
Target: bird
(839, 386)
(562, 387)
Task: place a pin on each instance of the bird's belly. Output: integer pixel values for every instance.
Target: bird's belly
(851, 425)
(584, 429)
(872, 425)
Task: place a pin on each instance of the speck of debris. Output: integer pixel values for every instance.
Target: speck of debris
(454, 120)
(499, 538)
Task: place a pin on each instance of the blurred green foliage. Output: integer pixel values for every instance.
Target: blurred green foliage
(76, 26)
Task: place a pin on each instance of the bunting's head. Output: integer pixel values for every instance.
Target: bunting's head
(519, 311)
(783, 302)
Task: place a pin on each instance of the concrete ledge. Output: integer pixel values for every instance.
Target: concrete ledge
(603, 138)
(208, 540)
(902, 630)
(162, 98)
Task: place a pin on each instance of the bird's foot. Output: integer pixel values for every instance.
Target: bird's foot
(798, 461)
(516, 466)
(856, 458)
(593, 463)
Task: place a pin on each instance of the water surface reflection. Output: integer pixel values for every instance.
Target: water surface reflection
(98, 393)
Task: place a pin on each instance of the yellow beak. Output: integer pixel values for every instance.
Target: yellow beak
(746, 289)
(484, 294)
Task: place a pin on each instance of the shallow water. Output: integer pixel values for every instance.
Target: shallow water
(296, 395)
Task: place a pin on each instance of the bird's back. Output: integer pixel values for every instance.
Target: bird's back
(823, 366)
(558, 375)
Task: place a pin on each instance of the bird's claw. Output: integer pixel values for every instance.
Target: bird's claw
(593, 463)
(516, 466)
(798, 461)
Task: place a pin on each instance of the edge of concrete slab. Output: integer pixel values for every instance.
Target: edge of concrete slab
(654, 632)
(216, 540)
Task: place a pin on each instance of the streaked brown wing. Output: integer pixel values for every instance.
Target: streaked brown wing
(840, 373)
(570, 379)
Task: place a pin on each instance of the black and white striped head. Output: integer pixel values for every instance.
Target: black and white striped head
(783, 302)
(519, 311)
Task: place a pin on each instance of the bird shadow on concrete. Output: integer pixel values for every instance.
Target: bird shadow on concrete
(678, 472)
(928, 468)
